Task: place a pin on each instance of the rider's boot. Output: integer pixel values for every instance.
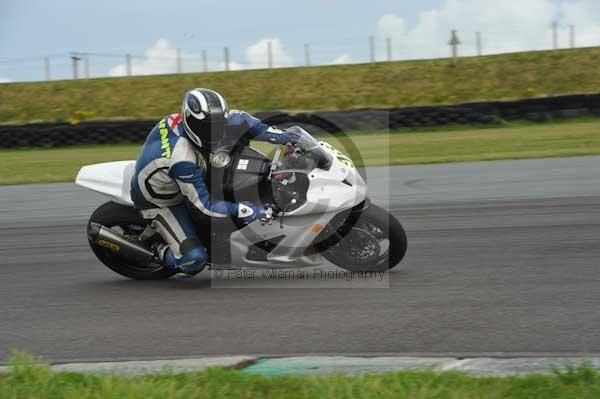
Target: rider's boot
(184, 269)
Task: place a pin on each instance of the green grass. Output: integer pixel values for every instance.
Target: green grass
(393, 84)
(28, 380)
(375, 149)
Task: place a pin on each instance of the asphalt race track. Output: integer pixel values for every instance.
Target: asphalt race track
(504, 259)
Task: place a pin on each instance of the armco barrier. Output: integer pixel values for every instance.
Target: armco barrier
(118, 132)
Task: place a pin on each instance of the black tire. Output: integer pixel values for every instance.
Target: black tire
(387, 228)
(113, 215)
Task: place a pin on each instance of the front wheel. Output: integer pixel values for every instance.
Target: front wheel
(375, 242)
(128, 222)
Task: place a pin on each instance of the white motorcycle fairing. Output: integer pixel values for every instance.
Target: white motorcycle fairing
(112, 179)
(330, 192)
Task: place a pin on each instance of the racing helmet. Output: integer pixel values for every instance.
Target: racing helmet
(204, 117)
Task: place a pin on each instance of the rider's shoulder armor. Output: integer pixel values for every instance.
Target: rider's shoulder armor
(237, 117)
(240, 123)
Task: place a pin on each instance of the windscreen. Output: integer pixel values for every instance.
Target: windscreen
(313, 152)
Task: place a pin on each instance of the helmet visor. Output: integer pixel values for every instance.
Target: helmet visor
(209, 131)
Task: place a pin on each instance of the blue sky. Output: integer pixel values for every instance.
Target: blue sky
(36, 27)
(336, 29)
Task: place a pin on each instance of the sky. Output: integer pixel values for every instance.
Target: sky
(336, 30)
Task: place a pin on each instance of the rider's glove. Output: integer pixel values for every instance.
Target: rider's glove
(249, 212)
(279, 136)
(291, 136)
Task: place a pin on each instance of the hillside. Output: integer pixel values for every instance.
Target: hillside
(392, 84)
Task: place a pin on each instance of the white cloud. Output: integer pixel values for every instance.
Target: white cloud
(158, 59)
(343, 59)
(391, 25)
(258, 54)
(5, 80)
(161, 58)
(508, 25)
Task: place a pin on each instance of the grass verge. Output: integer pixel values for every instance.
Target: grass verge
(375, 149)
(380, 85)
(28, 380)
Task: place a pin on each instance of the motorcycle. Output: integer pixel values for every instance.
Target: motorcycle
(324, 212)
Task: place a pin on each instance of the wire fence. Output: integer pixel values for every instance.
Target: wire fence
(270, 53)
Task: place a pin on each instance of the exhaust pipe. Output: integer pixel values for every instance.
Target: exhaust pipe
(119, 244)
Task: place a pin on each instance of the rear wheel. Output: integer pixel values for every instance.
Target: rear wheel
(126, 221)
(376, 241)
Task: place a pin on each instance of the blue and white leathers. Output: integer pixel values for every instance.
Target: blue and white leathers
(170, 170)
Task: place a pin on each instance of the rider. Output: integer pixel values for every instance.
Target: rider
(172, 168)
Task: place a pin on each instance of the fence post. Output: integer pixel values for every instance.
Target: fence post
(47, 68)
(128, 64)
(179, 68)
(76, 59)
(307, 54)
(388, 45)
(372, 49)
(572, 35)
(270, 54)
(226, 57)
(479, 44)
(555, 35)
(454, 42)
(204, 61)
(86, 65)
